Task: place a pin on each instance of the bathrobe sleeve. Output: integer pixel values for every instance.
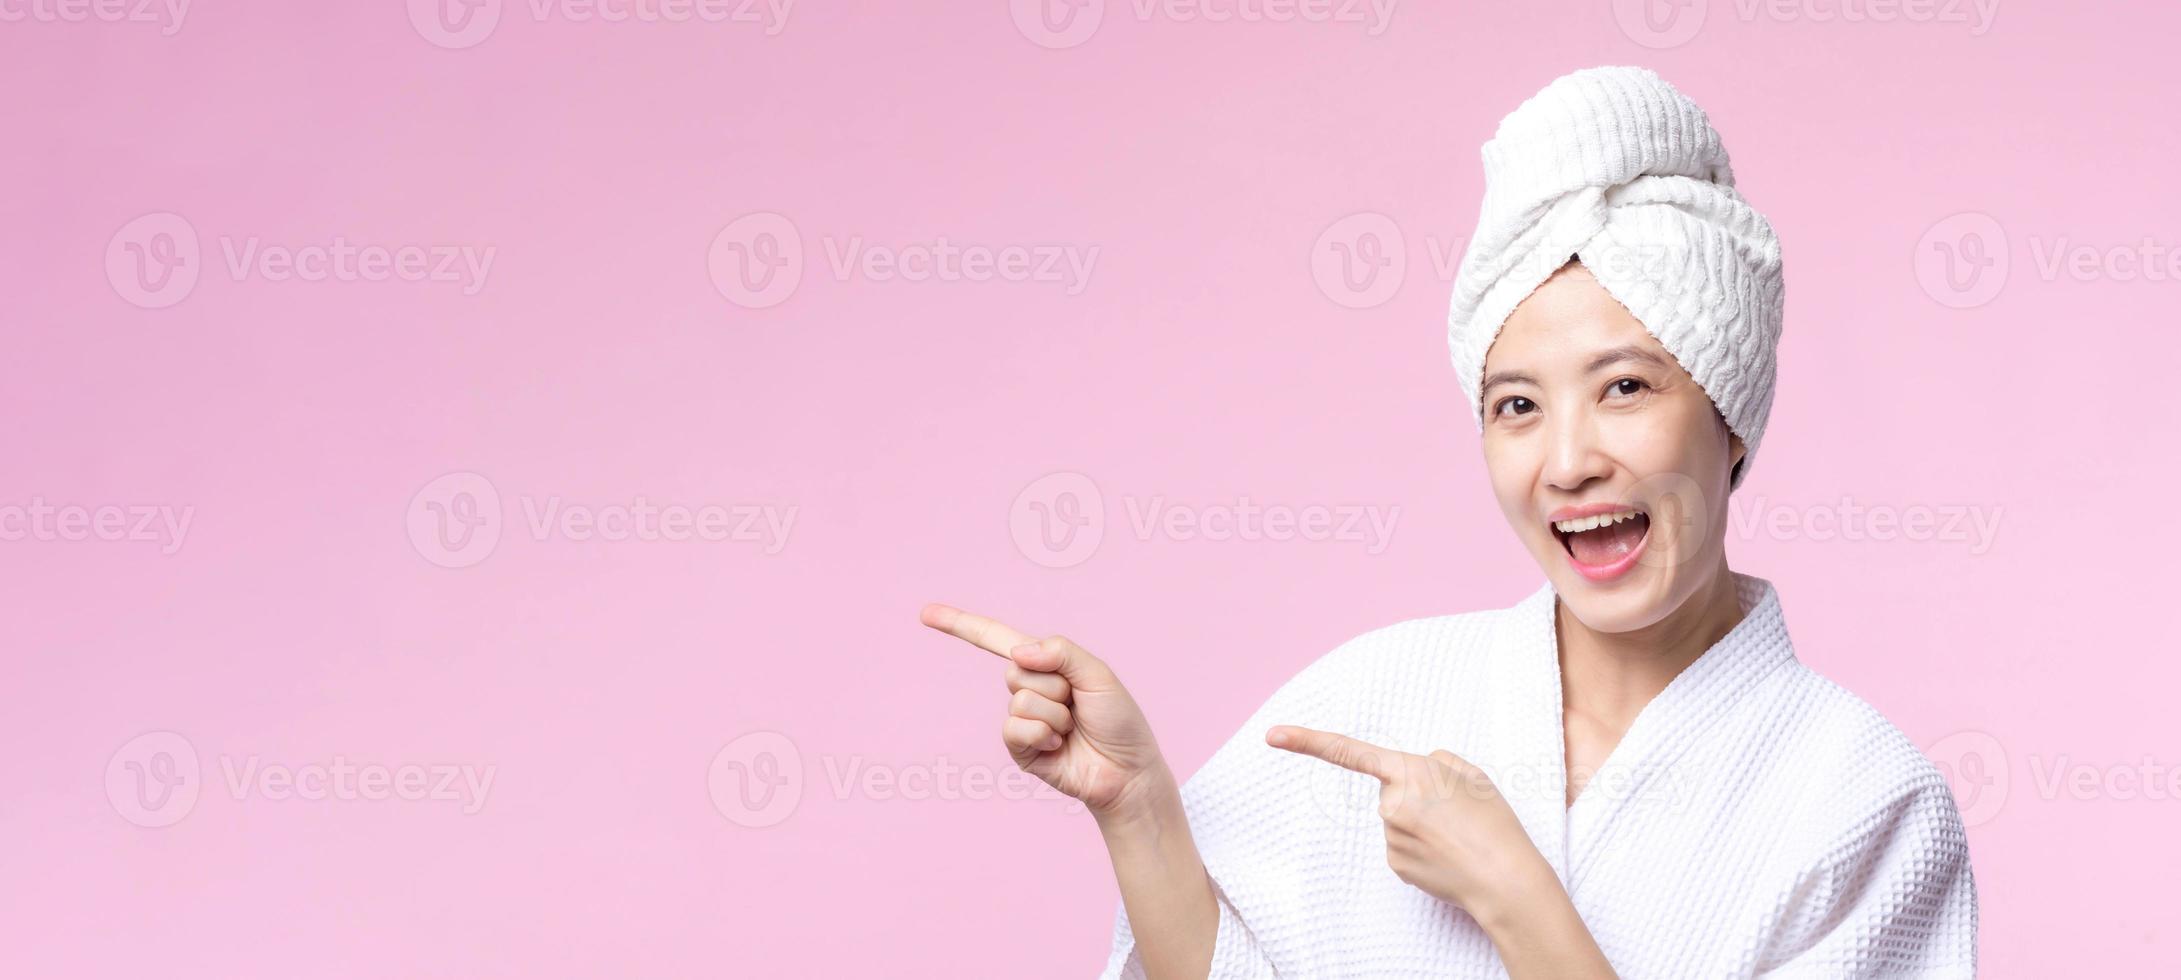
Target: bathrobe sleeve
(1252, 832)
(1892, 896)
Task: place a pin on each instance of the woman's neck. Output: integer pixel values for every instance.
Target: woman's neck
(1609, 677)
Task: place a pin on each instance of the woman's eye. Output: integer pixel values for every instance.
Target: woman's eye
(1625, 386)
(1517, 405)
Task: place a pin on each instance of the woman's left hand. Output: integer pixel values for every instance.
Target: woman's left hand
(1448, 829)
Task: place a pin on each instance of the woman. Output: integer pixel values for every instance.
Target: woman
(1628, 771)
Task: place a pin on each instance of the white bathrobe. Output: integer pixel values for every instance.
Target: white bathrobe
(1755, 820)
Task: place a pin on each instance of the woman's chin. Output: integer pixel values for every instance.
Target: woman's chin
(1630, 599)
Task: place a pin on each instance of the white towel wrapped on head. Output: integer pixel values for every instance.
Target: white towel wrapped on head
(1617, 168)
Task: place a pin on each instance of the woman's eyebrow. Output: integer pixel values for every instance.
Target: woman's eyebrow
(1497, 378)
(1630, 352)
(1604, 359)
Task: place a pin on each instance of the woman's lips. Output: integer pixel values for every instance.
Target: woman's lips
(1608, 549)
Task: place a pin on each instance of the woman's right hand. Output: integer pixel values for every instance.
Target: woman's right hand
(1069, 721)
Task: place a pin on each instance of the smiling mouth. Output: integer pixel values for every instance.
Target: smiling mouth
(1605, 540)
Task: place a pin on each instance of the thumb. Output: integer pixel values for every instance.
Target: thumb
(1060, 655)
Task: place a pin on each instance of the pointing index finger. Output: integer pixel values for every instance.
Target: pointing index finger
(991, 634)
(1348, 753)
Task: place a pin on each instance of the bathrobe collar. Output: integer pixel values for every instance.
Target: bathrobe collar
(1529, 761)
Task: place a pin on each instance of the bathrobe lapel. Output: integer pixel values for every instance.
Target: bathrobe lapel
(1529, 746)
(1523, 750)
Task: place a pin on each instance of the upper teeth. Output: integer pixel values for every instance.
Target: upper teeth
(1596, 521)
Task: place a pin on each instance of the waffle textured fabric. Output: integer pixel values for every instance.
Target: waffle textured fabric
(1756, 819)
(1618, 169)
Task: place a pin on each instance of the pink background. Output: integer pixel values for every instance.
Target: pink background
(1201, 362)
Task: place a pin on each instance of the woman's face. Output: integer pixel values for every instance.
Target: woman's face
(1607, 458)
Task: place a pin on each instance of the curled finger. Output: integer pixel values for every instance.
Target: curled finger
(1032, 705)
(1049, 685)
(1026, 736)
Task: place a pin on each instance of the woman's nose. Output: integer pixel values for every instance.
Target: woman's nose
(1573, 457)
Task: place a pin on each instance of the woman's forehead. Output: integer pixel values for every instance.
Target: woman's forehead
(1567, 321)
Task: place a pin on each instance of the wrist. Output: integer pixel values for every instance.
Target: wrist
(1529, 893)
(1148, 802)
